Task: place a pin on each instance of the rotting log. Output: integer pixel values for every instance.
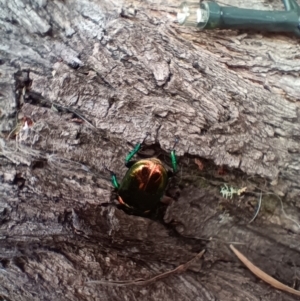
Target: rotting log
(81, 82)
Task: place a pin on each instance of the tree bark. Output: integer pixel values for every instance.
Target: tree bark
(81, 83)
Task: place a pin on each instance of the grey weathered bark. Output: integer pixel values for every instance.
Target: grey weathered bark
(93, 76)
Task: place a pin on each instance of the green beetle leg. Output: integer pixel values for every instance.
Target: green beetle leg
(134, 151)
(114, 180)
(173, 156)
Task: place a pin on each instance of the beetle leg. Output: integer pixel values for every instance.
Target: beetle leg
(135, 150)
(114, 180)
(173, 156)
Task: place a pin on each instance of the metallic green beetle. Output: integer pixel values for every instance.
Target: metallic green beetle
(145, 182)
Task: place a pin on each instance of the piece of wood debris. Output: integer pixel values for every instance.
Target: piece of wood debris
(262, 275)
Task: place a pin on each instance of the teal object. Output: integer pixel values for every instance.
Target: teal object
(210, 15)
(145, 182)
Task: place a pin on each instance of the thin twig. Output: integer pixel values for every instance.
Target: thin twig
(74, 112)
(281, 203)
(258, 208)
(139, 281)
(262, 275)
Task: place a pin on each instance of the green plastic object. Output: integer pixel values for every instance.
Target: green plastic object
(210, 15)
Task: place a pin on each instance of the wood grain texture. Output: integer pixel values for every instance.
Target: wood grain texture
(94, 77)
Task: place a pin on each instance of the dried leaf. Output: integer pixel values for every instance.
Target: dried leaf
(28, 121)
(221, 171)
(199, 163)
(242, 190)
(262, 275)
(23, 124)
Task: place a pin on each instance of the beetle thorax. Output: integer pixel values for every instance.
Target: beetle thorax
(150, 174)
